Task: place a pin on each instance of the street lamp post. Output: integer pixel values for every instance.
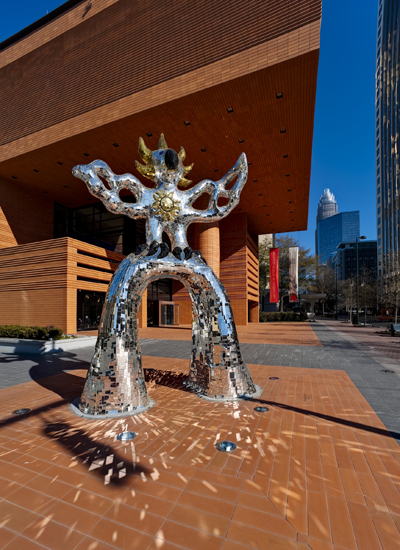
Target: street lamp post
(357, 275)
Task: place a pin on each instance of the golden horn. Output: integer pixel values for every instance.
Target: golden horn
(144, 151)
(146, 171)
(182, 154)
(162, 144)
(183, 182)
(186, 169)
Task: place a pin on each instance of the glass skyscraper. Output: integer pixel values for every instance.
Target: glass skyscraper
(327, 206)
(332, 231)
(387, 134)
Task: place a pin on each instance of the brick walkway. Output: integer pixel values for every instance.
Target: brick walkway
(289, 334)
(317, 471)
(370, 336)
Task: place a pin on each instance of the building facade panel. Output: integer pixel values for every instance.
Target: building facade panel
(387, 135)
(132, 46)
(343, 227)
(345, 260)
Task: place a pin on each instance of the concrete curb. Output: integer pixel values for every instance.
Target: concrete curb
(39, 347)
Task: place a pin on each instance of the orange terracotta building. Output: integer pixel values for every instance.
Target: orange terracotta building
(84, 82)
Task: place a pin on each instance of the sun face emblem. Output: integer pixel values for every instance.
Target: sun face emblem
(165, 206)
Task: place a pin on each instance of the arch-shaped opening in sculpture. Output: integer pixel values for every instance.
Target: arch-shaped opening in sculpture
(115, 383)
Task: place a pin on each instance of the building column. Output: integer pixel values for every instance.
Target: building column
(206, 241)
(143, 311)
(254, 315)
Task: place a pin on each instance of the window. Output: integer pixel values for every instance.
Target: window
(379, 210)
(379, 221)
(379, 200)
(379, 231)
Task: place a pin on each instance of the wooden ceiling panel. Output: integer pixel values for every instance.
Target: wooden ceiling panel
(276, 194)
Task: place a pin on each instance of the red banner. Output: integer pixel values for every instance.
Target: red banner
(274, 275)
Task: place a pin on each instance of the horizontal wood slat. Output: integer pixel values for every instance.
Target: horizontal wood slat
(39, 281)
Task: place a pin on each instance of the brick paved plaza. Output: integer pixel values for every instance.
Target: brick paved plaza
(319, 470)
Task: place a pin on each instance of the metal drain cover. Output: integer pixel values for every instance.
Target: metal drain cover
(126, 436)
(273, 378)
(225, 446)
(261, 409)
(21, 411)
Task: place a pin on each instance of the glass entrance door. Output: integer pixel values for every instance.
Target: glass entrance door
(89, 308)
(169, 314)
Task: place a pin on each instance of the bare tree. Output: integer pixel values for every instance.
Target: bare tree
(325, 283)
(367, 290)
(348, 292)
(389, 288)
(307, 265)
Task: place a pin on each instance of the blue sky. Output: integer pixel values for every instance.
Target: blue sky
(344, 147)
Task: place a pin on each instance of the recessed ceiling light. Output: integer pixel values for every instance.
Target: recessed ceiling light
(35, 170)
(283, 130)
(149, 134)
(59, 162)
(186, 122)
(241, 140)
(203, 150)
(86, 154)
(115, 144)
(279, 95)
(230, 109)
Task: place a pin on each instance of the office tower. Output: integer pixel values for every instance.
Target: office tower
(343, 227)
(327, 206)
(387, 134)
(345, 259)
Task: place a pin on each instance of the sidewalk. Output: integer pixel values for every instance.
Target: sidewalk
(319, 470)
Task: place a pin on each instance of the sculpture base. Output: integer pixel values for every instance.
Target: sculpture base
(73, 407)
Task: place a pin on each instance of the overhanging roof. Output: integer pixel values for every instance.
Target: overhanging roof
(275, 133)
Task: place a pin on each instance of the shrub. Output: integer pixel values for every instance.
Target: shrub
(55, 333)
(282, 317)
(29, 332)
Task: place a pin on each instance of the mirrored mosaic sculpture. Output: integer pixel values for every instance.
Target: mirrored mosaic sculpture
(115, 383)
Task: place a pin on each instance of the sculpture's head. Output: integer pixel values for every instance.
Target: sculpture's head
(164, 164)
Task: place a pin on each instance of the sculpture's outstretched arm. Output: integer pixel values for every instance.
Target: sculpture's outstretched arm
(91, 173)
(218, 189)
